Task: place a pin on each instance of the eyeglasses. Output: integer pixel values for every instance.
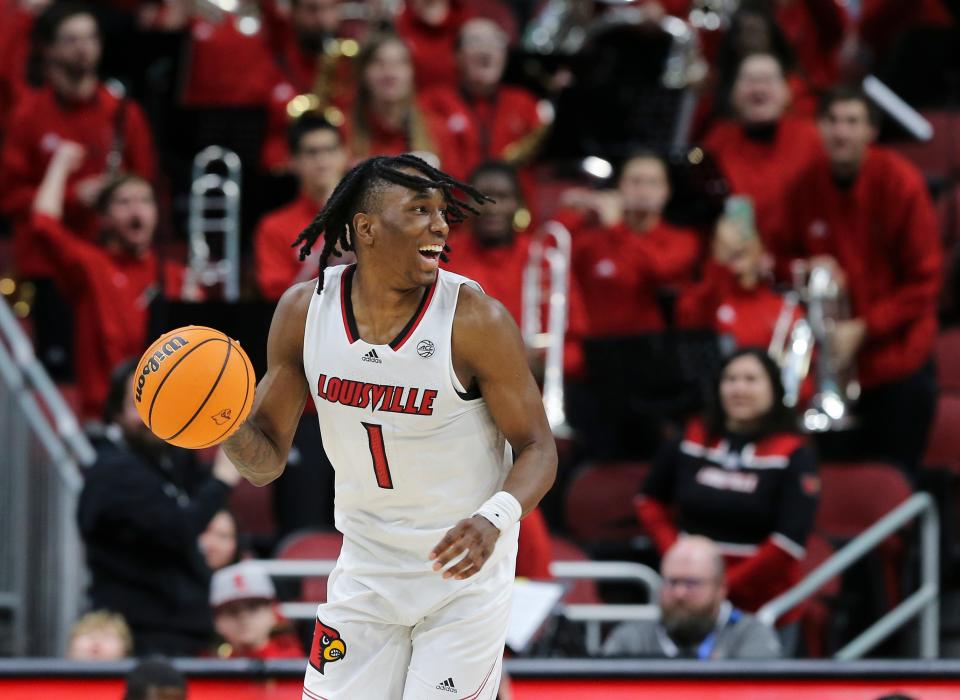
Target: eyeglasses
(691, 584)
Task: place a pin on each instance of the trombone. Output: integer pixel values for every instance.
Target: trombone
(550, 249)
(214, 210)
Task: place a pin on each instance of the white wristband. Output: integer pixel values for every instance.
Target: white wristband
(502, 509)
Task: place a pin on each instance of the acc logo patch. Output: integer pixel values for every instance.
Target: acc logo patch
(223, 417)
(327, 646)
(426, 348)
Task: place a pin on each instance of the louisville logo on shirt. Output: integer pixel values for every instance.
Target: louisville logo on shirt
(327, 646)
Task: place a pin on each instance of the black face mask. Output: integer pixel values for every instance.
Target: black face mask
(313, 41)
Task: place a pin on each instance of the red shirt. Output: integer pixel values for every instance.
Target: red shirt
(883, 231)
(499, 271)
(764, 169)
(620, 271)
(277, 264)
(110, 293)
(497, 127)
(432, 47)
(38, 124)
(227, 67)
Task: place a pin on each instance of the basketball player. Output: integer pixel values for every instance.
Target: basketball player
(421, 387)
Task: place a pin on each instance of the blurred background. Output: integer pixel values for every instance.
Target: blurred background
(728, 231)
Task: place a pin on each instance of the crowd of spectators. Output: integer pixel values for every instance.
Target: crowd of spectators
(93, 103)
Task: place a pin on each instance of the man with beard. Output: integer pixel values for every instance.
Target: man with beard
(696, 619)
(140, 518)
(109, 284)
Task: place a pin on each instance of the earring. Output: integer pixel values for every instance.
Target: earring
(346, 228)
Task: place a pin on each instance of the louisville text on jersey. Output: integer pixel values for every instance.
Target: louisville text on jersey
(377, 397)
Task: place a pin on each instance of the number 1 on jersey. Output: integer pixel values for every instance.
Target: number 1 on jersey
(379, 453)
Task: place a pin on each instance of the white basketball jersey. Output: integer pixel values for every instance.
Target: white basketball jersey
(414, 453)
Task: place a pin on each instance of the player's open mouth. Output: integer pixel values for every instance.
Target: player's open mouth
(431, 252)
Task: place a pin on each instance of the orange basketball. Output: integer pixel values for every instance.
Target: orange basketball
(194, 387)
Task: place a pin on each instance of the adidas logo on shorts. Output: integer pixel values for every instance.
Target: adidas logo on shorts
(447, 685)
(371, 357)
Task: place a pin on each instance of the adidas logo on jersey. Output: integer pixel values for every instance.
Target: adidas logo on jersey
(371, 357)
(448, 686)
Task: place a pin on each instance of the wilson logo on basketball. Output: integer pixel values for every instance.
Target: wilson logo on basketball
(223, 417)
(153, 364)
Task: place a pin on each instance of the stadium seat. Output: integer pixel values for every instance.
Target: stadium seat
(855, 495)
(311, 544)
(943, 447)
(815, 621)
(947, 352)
(935, 158)
(582, 591)
(598, 506)
(252, 506)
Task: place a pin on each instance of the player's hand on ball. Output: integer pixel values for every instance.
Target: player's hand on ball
(476, 536)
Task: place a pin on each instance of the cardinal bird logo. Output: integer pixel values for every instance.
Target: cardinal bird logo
(222, 417)
(327, 646)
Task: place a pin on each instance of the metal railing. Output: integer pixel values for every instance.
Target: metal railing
(591, 615)
(41, 449)
(923, 602)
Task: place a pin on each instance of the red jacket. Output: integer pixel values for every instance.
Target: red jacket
(38, 124)
(110, 293)
(764, 169)
(620, 271)
(503, 126)
(883, 232)
(882, 22)
(276, 263)
(432, 48)
(227, 67)
(500, 272)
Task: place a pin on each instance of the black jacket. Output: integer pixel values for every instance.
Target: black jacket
(140, 530)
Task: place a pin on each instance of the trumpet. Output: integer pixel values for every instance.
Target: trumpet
(550, 250)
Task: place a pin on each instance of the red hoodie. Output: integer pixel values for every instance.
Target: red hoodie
(110, 293)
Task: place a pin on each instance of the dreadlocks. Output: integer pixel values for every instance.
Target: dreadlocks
(362, 182)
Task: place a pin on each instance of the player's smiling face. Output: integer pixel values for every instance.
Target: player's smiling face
(408, 233)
